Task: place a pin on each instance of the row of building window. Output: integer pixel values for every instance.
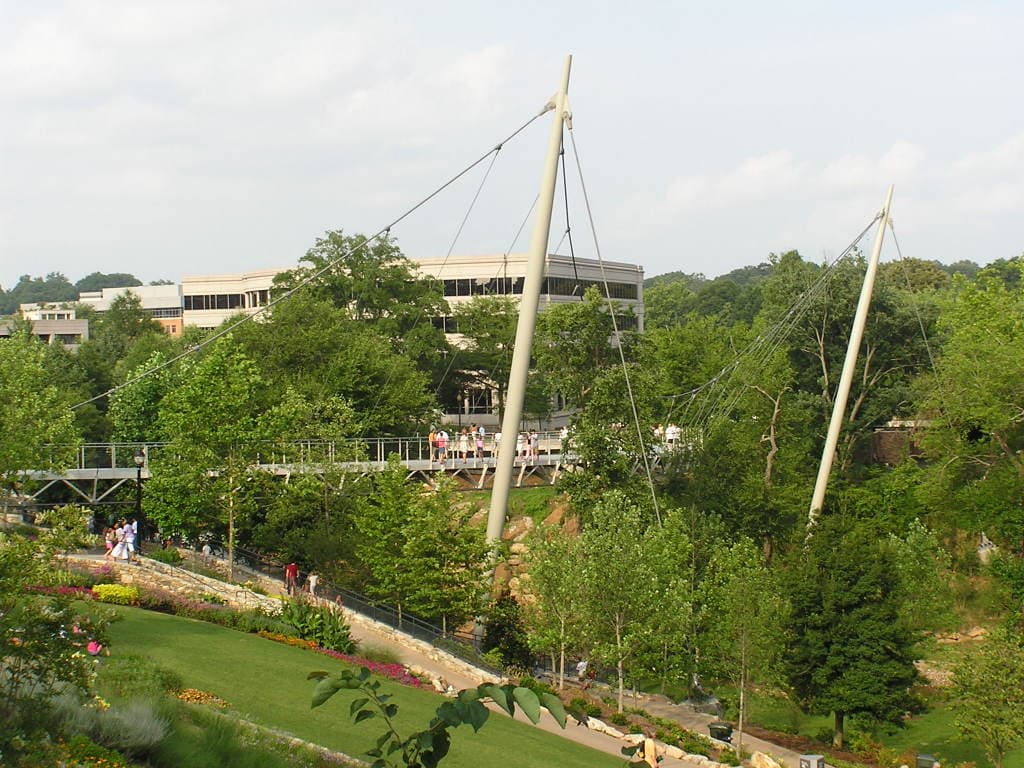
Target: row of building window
(553, 286)
(165, 312)
(451, 324)
(213, 301)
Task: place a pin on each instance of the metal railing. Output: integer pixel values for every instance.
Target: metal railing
(375, 450)
(461, 644)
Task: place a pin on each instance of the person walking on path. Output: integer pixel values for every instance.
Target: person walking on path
(291, 578)
(311, 580)
(129, 542)
(108, 543)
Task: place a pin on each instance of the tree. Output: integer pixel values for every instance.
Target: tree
(668, 648)
(988, 694)
(553, 594)
(850, 651)
(373, 282)
(444, 557)
(209, 421)
(36, 422)
(573, 344)
(97, 281)
(487, 326)
(976, 398)
(382, 519)
(316, 349)
(744, 617)
(52, 289)
(618, 599)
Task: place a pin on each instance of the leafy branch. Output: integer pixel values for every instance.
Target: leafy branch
(426, 748)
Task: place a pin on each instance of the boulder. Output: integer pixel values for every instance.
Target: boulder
(761, 760)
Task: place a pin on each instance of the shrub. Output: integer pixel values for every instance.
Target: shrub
(579, 704)
(118, 594)
(209, 597)
(170, 556)
(323, 625)
(619, 718)
(83, 752)
(537, 686)
(134, 729)
(379, 653)
(131, 675)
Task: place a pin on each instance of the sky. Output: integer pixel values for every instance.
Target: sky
(187, 138)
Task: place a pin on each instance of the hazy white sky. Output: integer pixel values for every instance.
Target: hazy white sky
(173, 138)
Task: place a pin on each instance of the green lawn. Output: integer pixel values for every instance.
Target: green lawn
(931, 733)
(265, 682)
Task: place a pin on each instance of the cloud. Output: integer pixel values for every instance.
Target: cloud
(756, 178)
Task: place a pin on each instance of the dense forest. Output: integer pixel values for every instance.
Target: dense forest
(655, 578)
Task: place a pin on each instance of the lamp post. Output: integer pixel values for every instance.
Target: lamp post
(140, 461)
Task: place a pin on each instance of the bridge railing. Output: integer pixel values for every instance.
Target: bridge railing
(115, 455)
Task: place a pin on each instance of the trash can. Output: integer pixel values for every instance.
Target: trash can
(721, 731)
(812, 761)
(926, 761)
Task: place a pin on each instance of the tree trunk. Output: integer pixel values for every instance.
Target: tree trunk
(619, 666)
(837, 733)
(743, 706)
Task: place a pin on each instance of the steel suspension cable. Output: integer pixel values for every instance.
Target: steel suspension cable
(615, 326)
(312, 276)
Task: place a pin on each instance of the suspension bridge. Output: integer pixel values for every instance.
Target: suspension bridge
(99, 469)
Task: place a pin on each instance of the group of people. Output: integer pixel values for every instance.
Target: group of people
(291, 579)
(670, 435)
(119, 541)
(469, 443)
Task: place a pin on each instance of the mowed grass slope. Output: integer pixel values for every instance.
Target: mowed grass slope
(265, 682)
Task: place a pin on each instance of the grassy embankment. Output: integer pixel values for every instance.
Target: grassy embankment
(265, 682)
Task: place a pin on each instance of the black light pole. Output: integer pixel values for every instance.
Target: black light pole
(140, 460)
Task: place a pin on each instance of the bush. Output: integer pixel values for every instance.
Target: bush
(579, 704)
(537, 686)
(170, 556)
(135, 729)
(325, 626)
(118, 594)
(379, 653)
(619, 718)
(83, 752)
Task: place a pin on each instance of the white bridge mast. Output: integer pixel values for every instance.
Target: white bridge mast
(835, 424)
(528, 315)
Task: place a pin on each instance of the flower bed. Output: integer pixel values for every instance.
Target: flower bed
(395, 672)
(80, 593)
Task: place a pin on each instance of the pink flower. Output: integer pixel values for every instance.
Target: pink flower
(93, 647)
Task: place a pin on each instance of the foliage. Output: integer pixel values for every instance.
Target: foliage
(744, 621)
(504, 631)
(429, 746)
(118, 594)
(49, 641)
(322, 624)
(171, 555)
(618, 583)
(37, 425)
(977, 398)
(988, 694)
(849, 651)
(553, 588)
